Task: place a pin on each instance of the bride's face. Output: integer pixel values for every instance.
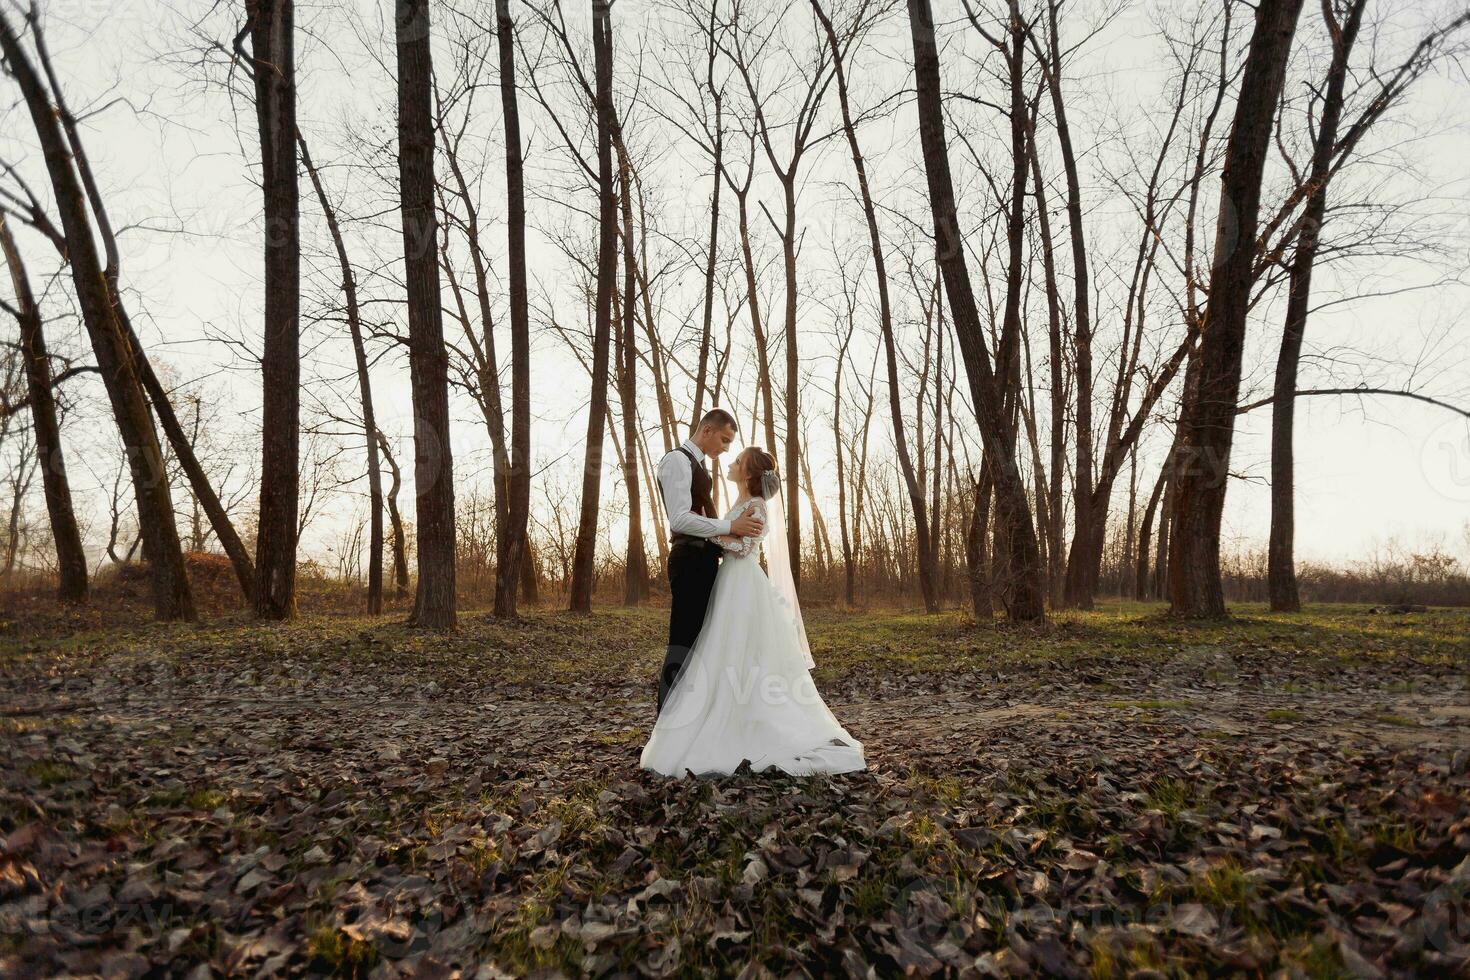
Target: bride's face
(735, 473)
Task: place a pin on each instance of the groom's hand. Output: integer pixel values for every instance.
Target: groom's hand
(746, 526)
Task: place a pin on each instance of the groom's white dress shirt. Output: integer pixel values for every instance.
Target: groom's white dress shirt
(676, 480)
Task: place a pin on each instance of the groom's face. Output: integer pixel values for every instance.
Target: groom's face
(715, 441)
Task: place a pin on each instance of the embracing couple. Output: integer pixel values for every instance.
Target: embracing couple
(736, 682)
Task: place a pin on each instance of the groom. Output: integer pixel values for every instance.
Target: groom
(693, 558)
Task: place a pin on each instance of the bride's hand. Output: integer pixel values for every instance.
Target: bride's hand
(746, 526)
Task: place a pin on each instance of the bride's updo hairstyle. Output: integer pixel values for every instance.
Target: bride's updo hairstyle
(760, 473)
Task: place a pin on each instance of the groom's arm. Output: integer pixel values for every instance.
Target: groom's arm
(676, 481)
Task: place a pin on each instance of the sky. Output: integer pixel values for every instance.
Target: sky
(178, 164)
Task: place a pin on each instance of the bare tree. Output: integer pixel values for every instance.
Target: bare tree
(71, 559)
(1344, 20)
(1026, 589)
(433, 470)
(353, 311)
(172, 597)
(926, 552)
(810, 82)
(513, 543)
(270, 24)
(583, 562)
(1206, 430)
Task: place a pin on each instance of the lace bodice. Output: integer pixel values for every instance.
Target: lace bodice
(747, 546)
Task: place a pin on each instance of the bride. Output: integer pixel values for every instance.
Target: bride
(746, 691)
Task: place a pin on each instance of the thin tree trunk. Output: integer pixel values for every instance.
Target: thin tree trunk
(635, 568)
(583, 567)
(71, 558)
(1145, 537)
(512, 542)
(1208, 424)
(1281, 559)
(1082, 298)
(364, 389)
(762, 350)
(433, 465)
(272, 40)
(707, 323)
(849, 585)
(1056, 524)
(792, 407)
(395, 519)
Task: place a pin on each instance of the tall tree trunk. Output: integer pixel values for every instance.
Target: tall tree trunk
(1208, 425)
(707, 323)
(885, 321)
(1281, 559)
(364, 388)
(635, 568)
(116, 358)
(584, 557)
(792, 492)
(71, 558)
(512, 542)
(1027, 588)
(1056, 524)
(433, 464)
(1082, 299)
(273, 53)
(848, 583)
(1008, 351)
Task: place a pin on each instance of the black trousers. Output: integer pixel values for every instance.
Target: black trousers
(692, 570)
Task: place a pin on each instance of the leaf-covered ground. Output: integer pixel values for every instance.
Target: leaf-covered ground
(1110, 795)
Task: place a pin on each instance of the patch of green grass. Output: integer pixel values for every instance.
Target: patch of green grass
(1224, 886)
(520, 949)
(946, 790)
(1169, 795)
(1389, 718)
(339, 954)
(1396, 834)
(1284, 714)
(1120, 956)
(1334, 838)
(49, 772)
(1151, 704)
(206, 799)
(1317, 957)
(868, 897)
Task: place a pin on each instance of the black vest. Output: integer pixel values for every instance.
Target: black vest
(700, 491)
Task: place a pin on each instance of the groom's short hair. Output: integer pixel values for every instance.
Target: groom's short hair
(718, 418)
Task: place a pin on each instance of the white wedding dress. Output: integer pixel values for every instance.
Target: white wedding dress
(746, 691)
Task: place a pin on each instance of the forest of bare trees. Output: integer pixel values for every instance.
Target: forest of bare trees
(998, 307)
